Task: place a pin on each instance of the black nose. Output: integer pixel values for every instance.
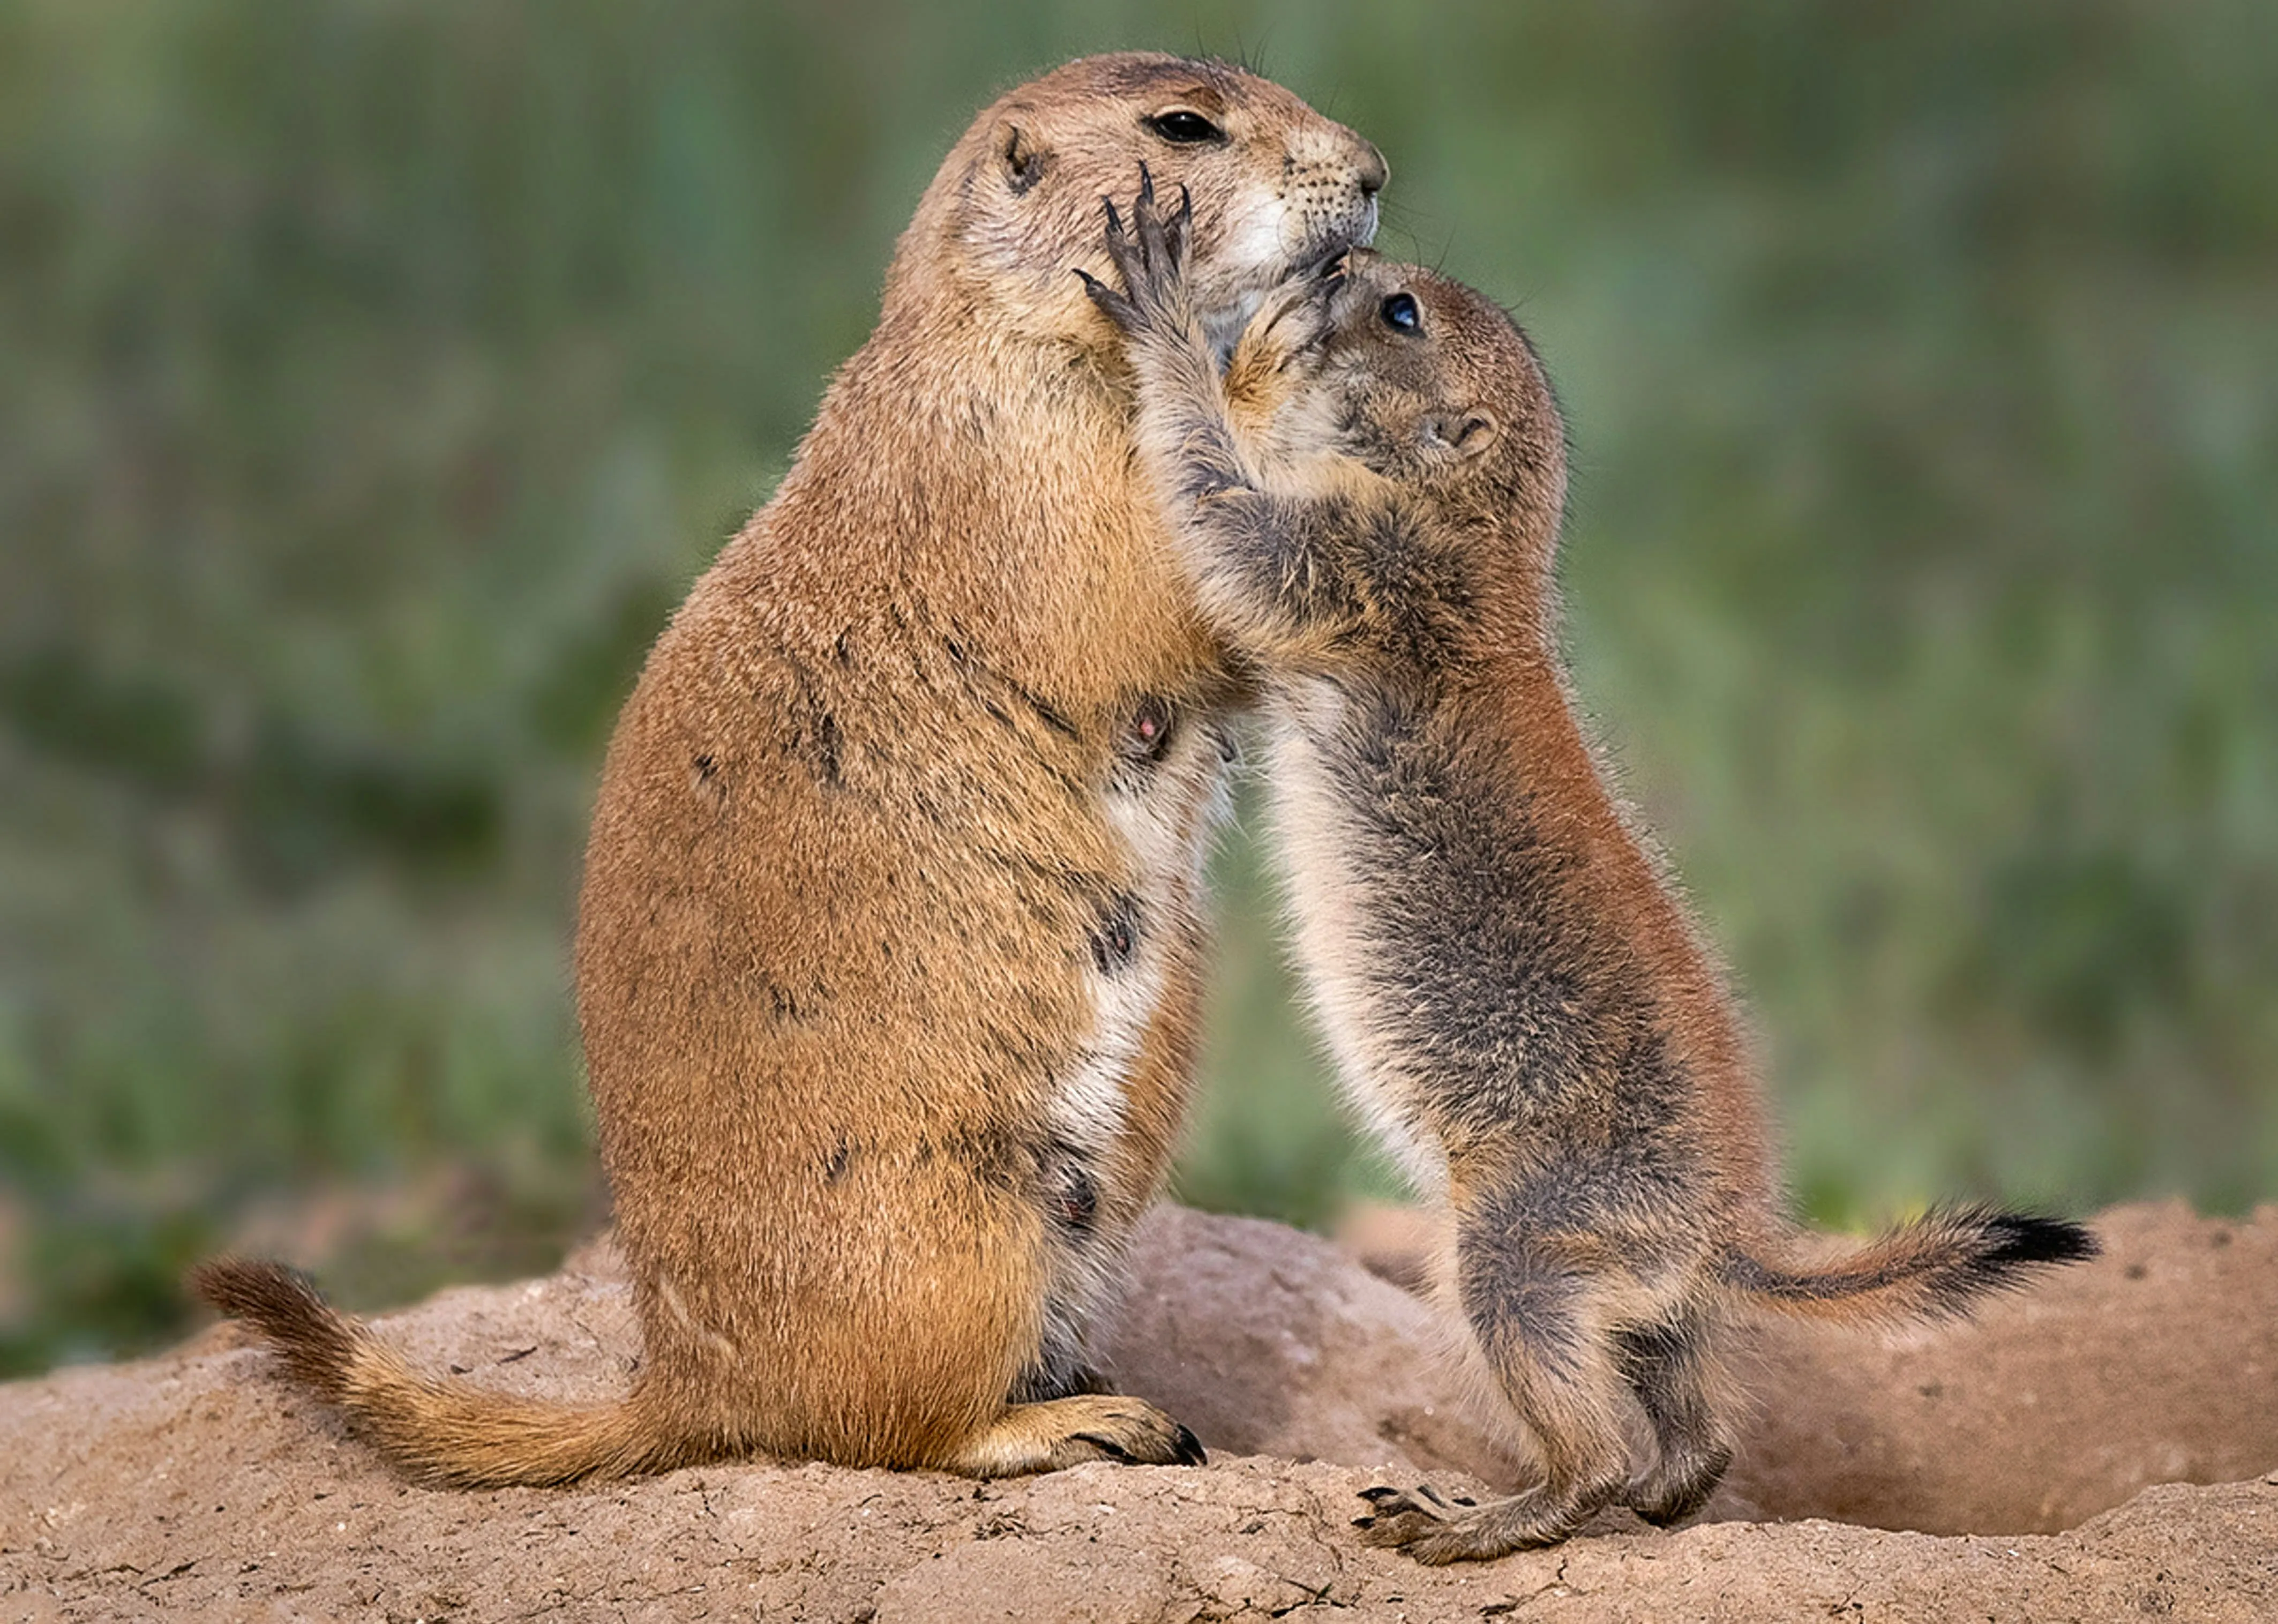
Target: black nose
(1374, 171)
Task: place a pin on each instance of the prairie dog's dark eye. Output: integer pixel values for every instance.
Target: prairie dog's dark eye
(1399, 311)
(1184, 126)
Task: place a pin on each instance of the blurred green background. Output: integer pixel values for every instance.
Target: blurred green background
(376, 374)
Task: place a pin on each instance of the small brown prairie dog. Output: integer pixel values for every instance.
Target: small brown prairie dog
(888, 949)
(1513, 990)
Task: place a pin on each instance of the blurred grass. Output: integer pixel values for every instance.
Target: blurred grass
(375, 377)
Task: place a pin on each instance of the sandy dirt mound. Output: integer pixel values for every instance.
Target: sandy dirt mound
(194, 1485)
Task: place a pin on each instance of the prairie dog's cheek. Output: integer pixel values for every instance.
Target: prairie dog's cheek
(1266, 235)
(1247, 249)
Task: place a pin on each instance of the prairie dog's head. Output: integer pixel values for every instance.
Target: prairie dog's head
(1424, 381)
(1016, 208)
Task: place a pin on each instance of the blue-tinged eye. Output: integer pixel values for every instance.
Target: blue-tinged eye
(1399, 311)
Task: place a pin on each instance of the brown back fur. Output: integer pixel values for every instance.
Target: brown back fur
(889, 946)
(1511, 984)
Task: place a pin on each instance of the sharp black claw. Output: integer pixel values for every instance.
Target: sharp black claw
(1146, 183)
(1364, 1522)
(1114, 220)
(1108, 1447)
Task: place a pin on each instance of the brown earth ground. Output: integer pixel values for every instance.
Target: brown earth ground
(2035, 1464)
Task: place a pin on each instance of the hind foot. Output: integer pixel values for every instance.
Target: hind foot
(1678, 1486)
(1437, 1531)
(1066, 1432)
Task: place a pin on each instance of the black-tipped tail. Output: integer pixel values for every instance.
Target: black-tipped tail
(2021, 1241)
(1940, 1265)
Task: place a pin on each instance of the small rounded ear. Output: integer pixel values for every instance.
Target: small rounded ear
(1023, 158)
(1478, 430)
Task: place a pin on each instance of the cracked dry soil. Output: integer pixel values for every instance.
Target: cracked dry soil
(2100, 1448)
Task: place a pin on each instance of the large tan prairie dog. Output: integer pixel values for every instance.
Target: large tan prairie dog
(1513, 991)
(888, 951)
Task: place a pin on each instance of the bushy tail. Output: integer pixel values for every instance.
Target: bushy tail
(439, 1432)
(1936, 1267)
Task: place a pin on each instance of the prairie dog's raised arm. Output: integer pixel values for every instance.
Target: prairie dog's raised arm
(1276, 547)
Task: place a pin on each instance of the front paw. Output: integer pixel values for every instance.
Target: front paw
(1151, 257)
(1287, 332)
